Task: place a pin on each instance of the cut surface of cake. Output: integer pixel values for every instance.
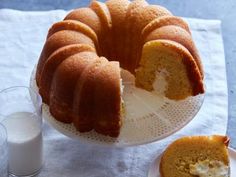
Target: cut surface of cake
(78, 72)
(196, 156)
(181, 71)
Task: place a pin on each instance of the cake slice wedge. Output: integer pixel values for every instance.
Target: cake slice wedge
(196, 156)
(174, 64)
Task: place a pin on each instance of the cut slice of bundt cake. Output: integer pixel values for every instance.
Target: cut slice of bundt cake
(177, 66)
(202, 156)
(78, 72)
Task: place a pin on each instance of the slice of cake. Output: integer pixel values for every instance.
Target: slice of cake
(174, 63)
(196, 156)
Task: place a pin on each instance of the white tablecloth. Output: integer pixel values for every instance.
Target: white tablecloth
(22, 35)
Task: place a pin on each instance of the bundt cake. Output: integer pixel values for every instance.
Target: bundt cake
(78, 72)
(193, 156)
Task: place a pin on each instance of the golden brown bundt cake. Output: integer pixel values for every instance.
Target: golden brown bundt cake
(196, 156)
(78, 73)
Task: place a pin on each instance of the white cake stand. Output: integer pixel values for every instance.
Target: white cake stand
(150, 117)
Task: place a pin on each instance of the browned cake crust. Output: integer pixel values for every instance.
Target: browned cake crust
(118, 10)
(58, 40)
(86, 16)
(84, 93)
(179, 35)
(191, 66)
(164, 21)
(108, 79)
(106, 26)
(54, 61)
(64, 83)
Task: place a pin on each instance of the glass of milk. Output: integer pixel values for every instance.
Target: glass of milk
(21, 114)
(3, 151)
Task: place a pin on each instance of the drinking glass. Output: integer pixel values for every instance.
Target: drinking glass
(3, 151)
(21, 114)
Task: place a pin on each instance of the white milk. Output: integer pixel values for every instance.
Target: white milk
(24, 143)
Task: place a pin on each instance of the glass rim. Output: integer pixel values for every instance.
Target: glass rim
(38, 103)
(39, 98)
(3, 130)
